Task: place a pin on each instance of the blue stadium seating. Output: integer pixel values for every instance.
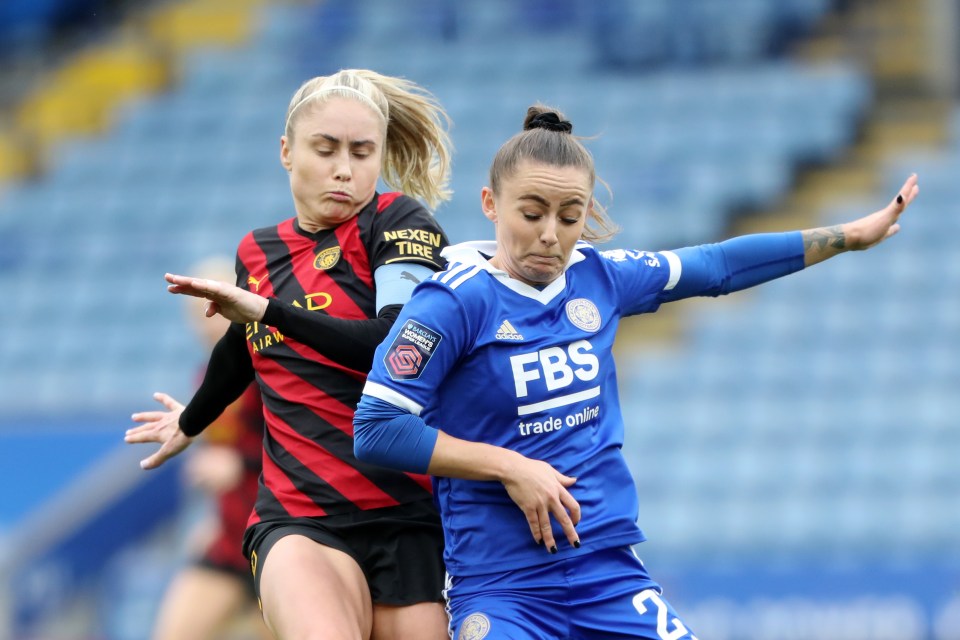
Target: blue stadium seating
(812, 415)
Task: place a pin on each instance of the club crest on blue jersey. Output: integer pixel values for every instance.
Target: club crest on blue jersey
(411, 351)
(475, 627)
(583, 314)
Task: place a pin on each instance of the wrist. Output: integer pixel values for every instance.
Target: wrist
(503, 462)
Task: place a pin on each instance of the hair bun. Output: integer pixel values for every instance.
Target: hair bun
(550, 121)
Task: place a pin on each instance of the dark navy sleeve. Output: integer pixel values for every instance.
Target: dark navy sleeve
(229, 373)
(347, 342)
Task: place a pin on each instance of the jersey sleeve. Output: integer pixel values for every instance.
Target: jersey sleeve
(735, 264)
(426, 341)
(641, 277)
(404, 231)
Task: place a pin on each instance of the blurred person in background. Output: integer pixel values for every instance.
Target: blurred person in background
(498, 380)
(338, 548)
(215, 590)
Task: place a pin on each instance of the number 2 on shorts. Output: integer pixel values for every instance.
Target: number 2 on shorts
(639, 601)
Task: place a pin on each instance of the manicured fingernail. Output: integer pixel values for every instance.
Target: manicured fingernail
(553, 549)
(899, 199)
(576, 544)
(540, 541)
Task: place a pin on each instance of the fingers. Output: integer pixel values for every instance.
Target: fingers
(572, 507)
(154, 461)
(167, 401)
(533, 521)
(907, 193)
(567, 514)
(546, 530)
(141, 434)
(196, 287)
(148, 416)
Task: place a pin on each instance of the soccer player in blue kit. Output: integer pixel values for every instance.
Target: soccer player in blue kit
(498, 379)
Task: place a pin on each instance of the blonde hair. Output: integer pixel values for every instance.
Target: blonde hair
(553, 144)
(417, 149)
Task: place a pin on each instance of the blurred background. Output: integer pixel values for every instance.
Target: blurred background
(795, 447)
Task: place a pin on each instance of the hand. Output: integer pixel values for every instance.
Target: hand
(541, 491)
(232, 302)
(214, 468)
(162, 427)
(873, 229)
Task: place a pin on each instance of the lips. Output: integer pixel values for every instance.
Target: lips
(340, 196)
(539, 258)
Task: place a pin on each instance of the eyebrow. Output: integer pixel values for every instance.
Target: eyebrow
(576, 200)
(336, 140)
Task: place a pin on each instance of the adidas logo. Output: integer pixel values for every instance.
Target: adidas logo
(507, 332)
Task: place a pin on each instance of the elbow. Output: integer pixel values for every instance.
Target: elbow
(362, 449)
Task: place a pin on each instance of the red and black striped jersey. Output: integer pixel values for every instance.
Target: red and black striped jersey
(309, 400)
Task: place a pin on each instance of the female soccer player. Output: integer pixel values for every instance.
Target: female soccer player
(339, 548)
(498, 379)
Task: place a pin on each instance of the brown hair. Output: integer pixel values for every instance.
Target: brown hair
(547, 138)
(417, 148)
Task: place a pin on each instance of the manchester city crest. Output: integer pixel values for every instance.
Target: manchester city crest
(327, 258)
(583, 314)
(475, 627)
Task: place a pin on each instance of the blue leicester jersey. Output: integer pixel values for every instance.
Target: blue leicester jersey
(486, 358)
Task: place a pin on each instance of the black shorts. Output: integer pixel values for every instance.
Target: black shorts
(399, 549)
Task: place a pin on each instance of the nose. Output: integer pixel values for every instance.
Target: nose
(341, 170)
(548, 234)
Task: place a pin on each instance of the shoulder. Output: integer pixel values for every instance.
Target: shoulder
(635, 258)
(396, 207)
(459, 277)
(272, 230)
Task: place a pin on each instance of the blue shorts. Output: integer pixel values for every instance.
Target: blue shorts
(604, 595)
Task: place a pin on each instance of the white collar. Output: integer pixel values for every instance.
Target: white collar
(475, 253)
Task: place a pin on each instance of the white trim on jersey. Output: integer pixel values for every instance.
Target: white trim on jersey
(559, 401)
(676, 268)
(469, 274)
(452, 272)
(387, 394)
(475, 254)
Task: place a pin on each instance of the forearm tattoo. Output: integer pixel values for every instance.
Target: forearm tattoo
(820, 239)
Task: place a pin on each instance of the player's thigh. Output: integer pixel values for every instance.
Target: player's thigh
(424, 621)
(308, 590)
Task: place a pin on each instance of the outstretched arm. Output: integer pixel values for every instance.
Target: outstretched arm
(825, 242)
(228, 374)
(347, 342)
(746, 261)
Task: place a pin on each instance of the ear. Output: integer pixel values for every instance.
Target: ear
(285, 154)
(488, 204)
